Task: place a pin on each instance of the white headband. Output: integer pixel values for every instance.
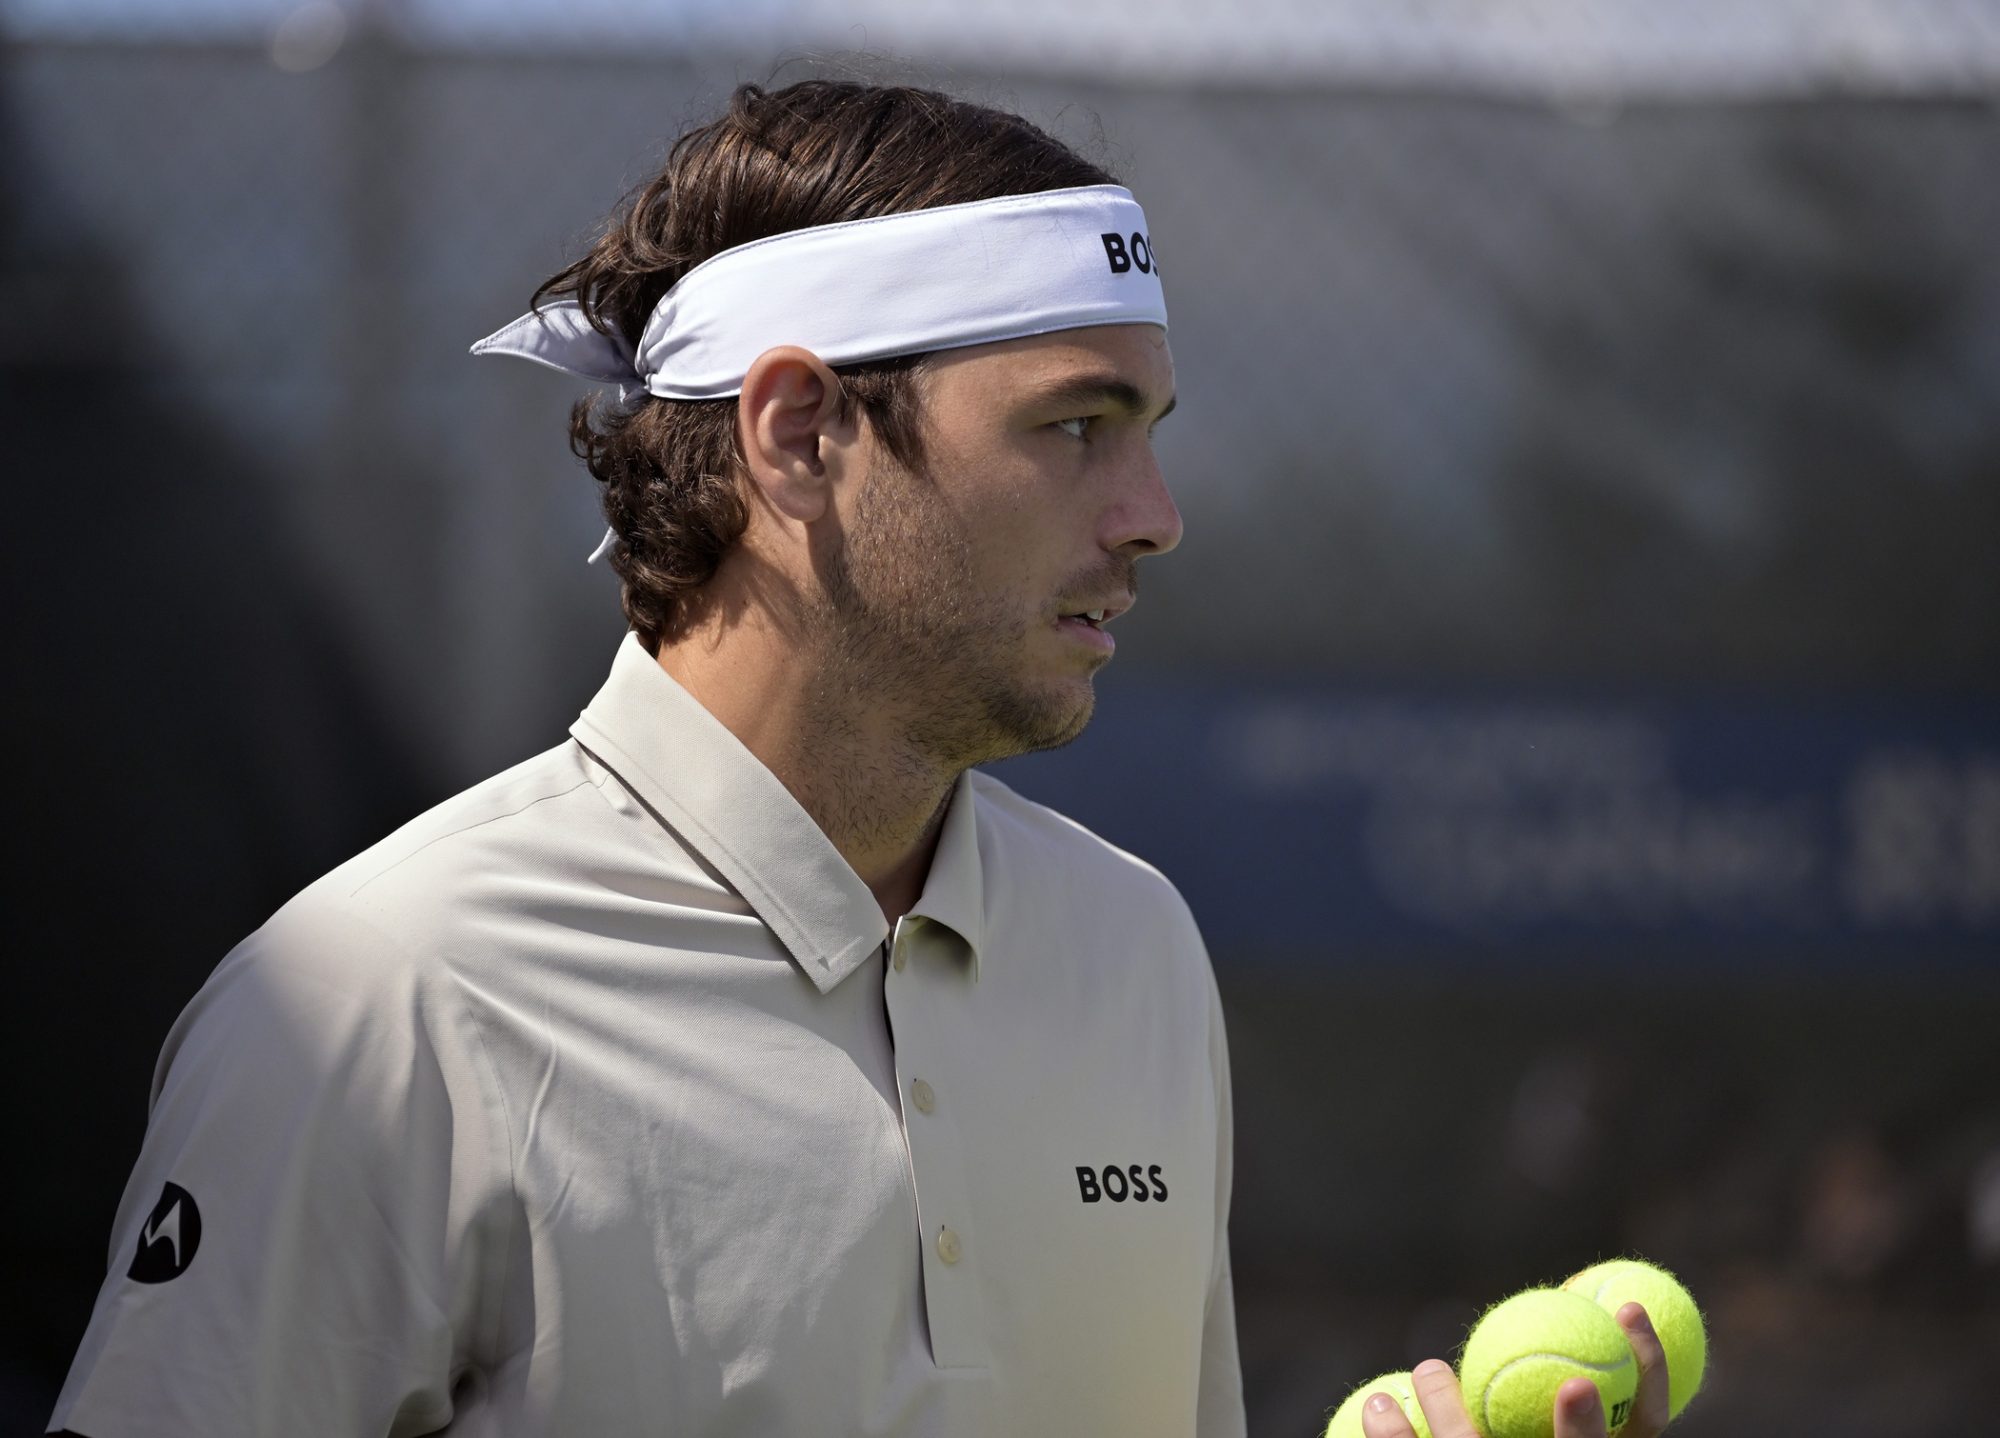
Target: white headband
(871, 289)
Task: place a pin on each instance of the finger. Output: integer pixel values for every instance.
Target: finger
(1437, 1394)
(1382, 1417)
(1579, 1410)
(1649, 1406)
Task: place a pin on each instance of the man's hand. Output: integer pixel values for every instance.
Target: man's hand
(1579, 1411)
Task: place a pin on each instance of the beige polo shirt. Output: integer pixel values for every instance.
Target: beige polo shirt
(602, 1100)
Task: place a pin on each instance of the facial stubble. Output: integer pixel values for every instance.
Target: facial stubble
(901, 624)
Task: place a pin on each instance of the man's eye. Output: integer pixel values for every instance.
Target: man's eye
(1082, 426)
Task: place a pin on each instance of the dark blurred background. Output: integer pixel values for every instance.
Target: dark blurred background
(1574, 713)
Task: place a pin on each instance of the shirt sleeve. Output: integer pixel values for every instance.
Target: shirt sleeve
(300, 1247)
(1219, 1411)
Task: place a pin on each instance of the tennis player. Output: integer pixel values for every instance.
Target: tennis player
(749, 1063)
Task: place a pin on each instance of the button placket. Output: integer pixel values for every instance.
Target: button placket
(926, 999)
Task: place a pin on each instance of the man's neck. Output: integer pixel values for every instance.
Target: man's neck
(847, 760)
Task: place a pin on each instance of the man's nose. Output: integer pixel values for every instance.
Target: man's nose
(1145, 520)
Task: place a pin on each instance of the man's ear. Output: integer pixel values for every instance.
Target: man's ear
(788, 419)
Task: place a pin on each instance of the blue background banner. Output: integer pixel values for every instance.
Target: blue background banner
(1324, 821)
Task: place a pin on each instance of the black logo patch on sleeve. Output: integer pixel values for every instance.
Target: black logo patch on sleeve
(167, 1242)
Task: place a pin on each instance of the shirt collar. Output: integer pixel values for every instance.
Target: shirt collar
(954, 890)
(719, 799)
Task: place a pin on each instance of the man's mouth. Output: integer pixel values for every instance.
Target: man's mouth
(1086, 626)
(1099, 615)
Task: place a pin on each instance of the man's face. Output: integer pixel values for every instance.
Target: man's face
(954, 597)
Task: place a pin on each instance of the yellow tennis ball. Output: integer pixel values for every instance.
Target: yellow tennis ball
(1526, 1347)
(1346, 1420)
(1675, 1318)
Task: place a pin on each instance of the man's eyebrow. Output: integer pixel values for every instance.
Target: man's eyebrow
(1094, 389)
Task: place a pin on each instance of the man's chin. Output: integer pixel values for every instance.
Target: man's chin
(1050, 719)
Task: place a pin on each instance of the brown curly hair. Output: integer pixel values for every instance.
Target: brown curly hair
(814, 153)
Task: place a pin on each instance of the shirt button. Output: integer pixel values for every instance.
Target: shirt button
(926, 1099)
(948, 1248)
(899, 959)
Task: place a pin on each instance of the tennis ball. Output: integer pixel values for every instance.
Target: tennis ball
(1526, 1347)
(1346, 1420)
(1676, 1320)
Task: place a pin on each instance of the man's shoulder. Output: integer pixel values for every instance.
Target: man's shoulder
(397, 896)
(517, 817)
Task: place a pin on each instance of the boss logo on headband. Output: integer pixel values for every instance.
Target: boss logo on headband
(1125, 253)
